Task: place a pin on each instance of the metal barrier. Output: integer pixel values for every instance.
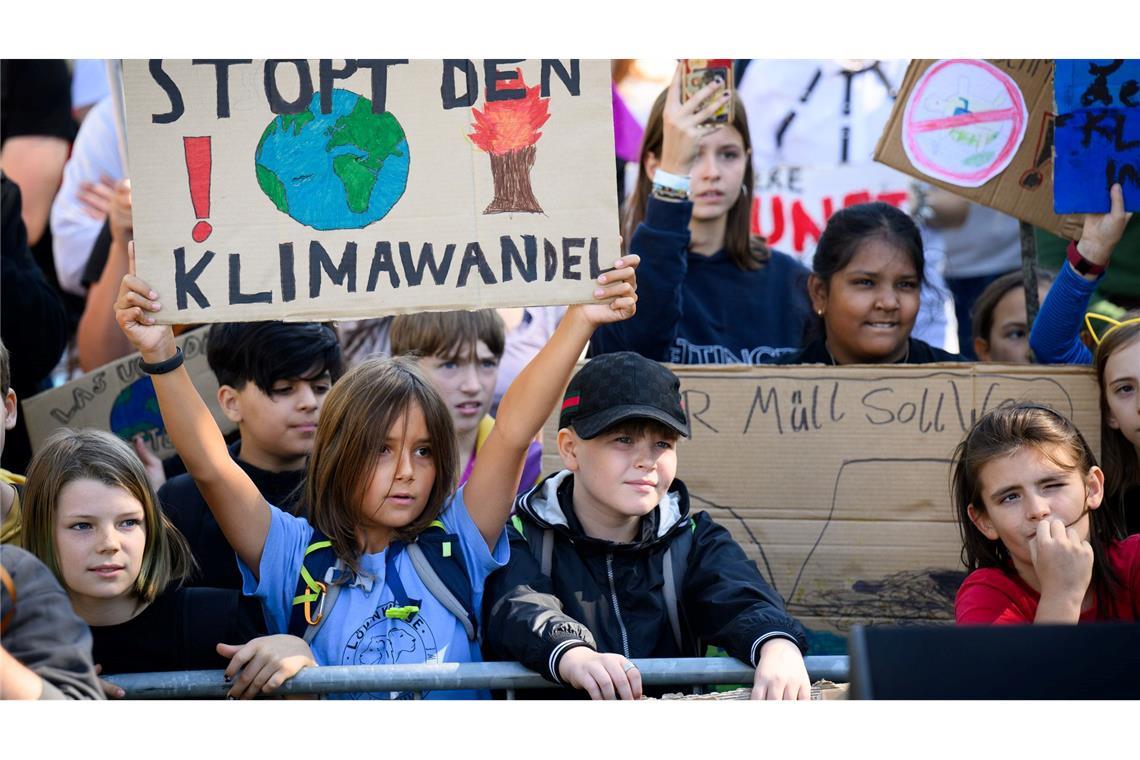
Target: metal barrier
(335, 679)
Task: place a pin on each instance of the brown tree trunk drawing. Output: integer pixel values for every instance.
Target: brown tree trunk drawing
(511, 174)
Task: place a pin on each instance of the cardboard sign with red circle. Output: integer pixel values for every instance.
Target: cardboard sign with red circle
(963, 122)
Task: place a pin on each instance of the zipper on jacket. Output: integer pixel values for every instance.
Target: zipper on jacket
(614, 599)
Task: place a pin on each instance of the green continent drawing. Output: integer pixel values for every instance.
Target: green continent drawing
(342, 170)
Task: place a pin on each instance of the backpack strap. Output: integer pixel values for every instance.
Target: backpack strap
(438, 563)
(675, 561)
(316, 591)
(541, 545)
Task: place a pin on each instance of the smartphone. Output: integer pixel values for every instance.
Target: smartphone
(697, 72)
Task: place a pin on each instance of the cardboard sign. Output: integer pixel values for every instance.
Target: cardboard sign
(982, 130)
(835, 479)
(1098, 134)
(332, 189)
(963, 122)
(791, 204)
(119, 397)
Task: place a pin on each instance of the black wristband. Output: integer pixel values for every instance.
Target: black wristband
(164, 366)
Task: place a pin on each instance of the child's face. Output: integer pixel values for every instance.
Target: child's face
(278, 428)
(1008, 341)
(100, 536)
(870, 305)
(718, 173)
(466, 383)
(1021, 489)
(402, 476)
(619, 475)
(1121, 394)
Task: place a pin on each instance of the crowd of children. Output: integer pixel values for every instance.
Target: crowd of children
(374, 511)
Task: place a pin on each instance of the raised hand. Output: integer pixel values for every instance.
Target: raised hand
(620, 285)
(96, 197)
(134, 308)
(155, 474)
(684, 123)
(781, 673)
(601, 675)
(1101, 232)
(265, 663)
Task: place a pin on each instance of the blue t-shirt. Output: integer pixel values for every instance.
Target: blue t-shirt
(356, 631)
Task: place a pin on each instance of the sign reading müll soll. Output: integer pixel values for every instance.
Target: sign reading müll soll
(312, 189)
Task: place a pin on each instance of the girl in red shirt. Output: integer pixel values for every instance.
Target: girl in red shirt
(1028, 491)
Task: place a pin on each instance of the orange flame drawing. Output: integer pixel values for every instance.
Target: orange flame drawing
(507, 131)
(507, 125)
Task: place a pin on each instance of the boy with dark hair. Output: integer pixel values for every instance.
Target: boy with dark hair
(10, 482)
(460, 351)
(273, 378)
(608, 564)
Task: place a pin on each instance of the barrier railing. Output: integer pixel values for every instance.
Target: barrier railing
(335, 679)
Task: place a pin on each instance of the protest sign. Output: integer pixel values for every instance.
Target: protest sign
(314, 189)
(982, 130)
(1097, 135)
(119, 398)
(835, 480)
(791, 204)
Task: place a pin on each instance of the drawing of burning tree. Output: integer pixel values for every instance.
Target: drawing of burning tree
(507, 131)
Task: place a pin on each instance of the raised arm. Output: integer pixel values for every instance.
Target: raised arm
(662, 239)
(1055, 338)
(491, 489)
(238, 506)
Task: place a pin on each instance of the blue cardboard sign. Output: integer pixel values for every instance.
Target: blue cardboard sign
(1097, 134)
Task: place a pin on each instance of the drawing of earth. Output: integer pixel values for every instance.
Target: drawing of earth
(135, 410)
(337, 171)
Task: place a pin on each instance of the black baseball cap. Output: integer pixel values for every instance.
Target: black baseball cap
(615, 387)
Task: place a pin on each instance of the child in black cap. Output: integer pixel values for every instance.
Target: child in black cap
(608, 564)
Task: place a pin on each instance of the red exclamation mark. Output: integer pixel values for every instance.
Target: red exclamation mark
(198, 169)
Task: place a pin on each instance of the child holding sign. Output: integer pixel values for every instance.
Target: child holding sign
(273, 378)
(1055, 339)
(410, 554)
(1028, 492)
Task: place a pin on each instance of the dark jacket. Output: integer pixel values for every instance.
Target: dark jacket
(609, 596)
(183, 504)
(920, 352)
(698, 309)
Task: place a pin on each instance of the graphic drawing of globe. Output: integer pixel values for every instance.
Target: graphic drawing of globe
(135, 410)
(337, 171)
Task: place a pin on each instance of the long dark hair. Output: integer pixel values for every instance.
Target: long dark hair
(743, 249)
(357, 414)
(849, 228)
(1003, 431)
(1121, 469)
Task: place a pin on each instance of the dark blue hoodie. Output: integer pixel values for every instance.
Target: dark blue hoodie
(698, 309)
